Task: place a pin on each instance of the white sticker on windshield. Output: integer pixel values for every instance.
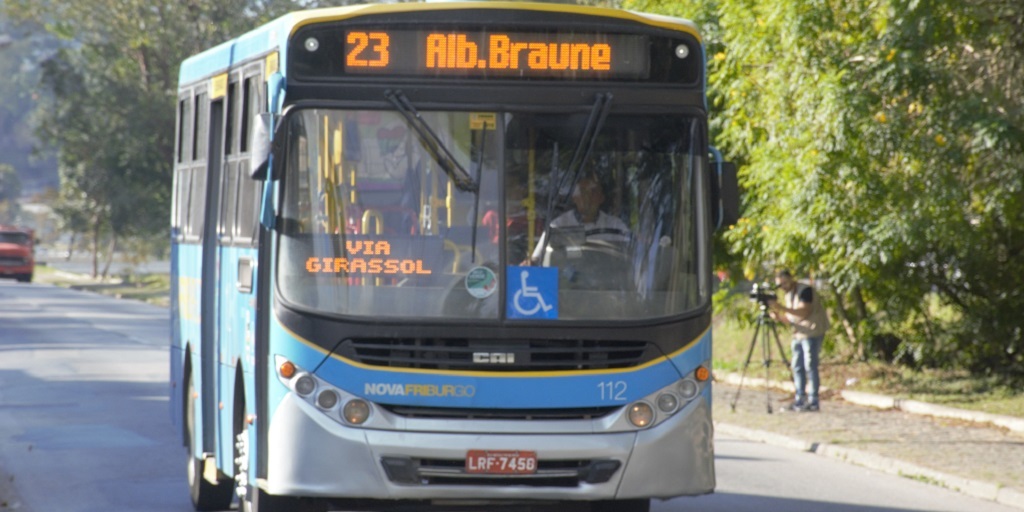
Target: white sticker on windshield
(481, 282)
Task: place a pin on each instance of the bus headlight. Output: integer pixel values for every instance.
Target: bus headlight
(327, 399)
(688, 389)
(662, 404)
(305, 385)
(641, 414)
(356, 411)
(667, 402)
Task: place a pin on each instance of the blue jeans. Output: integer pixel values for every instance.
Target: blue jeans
(805, 368)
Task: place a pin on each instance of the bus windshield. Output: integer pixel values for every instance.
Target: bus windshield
(606, 222)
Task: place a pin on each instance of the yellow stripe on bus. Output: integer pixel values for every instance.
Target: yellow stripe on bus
(344, 13)
(465, 373)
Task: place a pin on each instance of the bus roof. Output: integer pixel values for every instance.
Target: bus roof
(274, 34)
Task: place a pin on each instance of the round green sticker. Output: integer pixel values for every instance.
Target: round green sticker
(481, 282)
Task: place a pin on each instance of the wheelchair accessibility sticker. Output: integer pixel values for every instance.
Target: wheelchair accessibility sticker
(532, 292)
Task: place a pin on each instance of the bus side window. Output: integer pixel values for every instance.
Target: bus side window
(249, 190)
(181, 199)
(184, 123)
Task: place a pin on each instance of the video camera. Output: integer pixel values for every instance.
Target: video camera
(763, 293)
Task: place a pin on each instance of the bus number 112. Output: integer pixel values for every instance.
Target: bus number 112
(613, 390)
(370, 50)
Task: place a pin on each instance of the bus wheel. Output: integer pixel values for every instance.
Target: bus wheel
(621, 506)
(205, 495)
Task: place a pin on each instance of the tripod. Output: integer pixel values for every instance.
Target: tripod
(764, 324)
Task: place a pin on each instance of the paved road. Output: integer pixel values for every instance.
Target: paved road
(84, 421)
(84, 425)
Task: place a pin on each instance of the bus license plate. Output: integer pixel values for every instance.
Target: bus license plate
(501, 462)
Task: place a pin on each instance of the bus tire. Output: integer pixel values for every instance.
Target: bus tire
(641, 505)
(205, 495)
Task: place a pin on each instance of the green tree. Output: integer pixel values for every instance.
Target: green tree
(111, 113)
(22, 46)
(880, 143)
(10, 190)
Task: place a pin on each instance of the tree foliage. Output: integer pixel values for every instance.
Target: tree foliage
(10, 189)
(880, 144)
(111, 113)
(22, 46)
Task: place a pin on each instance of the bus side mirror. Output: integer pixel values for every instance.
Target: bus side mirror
(726, 196)
(262, 145)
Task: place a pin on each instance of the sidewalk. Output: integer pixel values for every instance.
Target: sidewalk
(963, 453)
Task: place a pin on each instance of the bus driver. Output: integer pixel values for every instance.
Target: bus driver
(587, 196)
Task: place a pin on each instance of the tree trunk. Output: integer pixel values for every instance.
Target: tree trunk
(71, 246)
(858, 298)
(851, 332)
(96, 247)
(110, 255)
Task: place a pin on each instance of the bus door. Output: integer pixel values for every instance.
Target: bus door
(209, 275)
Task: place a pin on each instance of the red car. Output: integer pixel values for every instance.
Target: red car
(17, 258)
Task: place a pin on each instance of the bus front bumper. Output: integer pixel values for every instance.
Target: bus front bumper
(311, 455)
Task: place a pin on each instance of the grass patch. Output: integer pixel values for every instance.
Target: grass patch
(952, 388)
(151, 288)
(925, 480)
(732, 344)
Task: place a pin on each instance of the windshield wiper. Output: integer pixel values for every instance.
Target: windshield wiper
(598, 114)
(432, 143)
(584, 146)
(476, 197)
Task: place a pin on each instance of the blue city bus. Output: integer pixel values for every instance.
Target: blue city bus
(445, 253)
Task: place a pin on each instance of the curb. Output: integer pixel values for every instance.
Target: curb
(983, 490)
(914, 407)
(1011, 423)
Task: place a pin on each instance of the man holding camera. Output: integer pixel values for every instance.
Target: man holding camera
(802, 309)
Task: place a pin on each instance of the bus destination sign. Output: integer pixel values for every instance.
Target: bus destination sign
(495, 54)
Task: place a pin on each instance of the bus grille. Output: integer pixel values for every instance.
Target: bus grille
(498, 356)
(588, 413)
(550, 473)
